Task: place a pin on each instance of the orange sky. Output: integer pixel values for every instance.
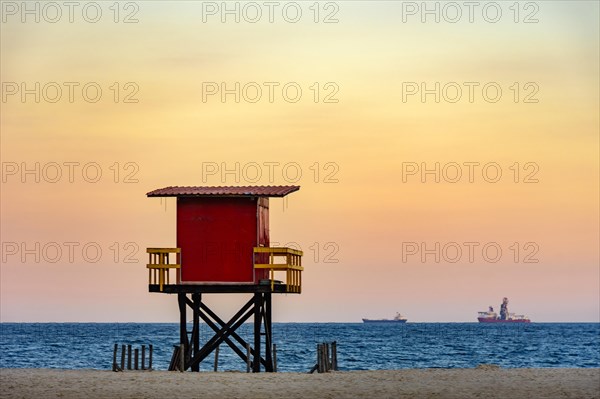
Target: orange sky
(360, 209)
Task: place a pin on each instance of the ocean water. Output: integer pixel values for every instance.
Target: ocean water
(360, 346)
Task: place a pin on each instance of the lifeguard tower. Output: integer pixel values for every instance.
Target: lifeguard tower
(223, 248)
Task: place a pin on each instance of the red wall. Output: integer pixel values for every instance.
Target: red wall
(216, 237)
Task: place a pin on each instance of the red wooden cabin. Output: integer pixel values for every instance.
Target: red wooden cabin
(223, 237)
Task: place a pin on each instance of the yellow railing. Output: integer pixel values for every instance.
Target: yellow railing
(159, 266)
(292, 266)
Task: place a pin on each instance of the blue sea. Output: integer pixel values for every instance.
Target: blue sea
(360, 346)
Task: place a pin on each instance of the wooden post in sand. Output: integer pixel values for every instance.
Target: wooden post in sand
(216, 359)
(150, 357)
(122, 357)
(182, 358)
(326, 359)
(128, 357)
(173, 365)
(320, 358)
(248, 361)
(114, 365)
(274, 358)
(143, 357)
(319, 366)
(334, 365)
(135, 362)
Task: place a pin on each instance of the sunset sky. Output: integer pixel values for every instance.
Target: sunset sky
(369, 134)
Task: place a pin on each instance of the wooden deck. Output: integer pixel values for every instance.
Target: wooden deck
(219, 288)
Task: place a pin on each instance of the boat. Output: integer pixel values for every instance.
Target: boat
(505, 317)
(397, 319)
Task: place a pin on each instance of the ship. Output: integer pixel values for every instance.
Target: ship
(505, 317)
(397, 319)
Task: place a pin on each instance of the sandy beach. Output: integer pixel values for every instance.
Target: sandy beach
(482, 382)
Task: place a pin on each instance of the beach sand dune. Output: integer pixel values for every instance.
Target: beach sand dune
(481, 382)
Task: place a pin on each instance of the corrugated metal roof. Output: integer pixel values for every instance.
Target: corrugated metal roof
(224, 191)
